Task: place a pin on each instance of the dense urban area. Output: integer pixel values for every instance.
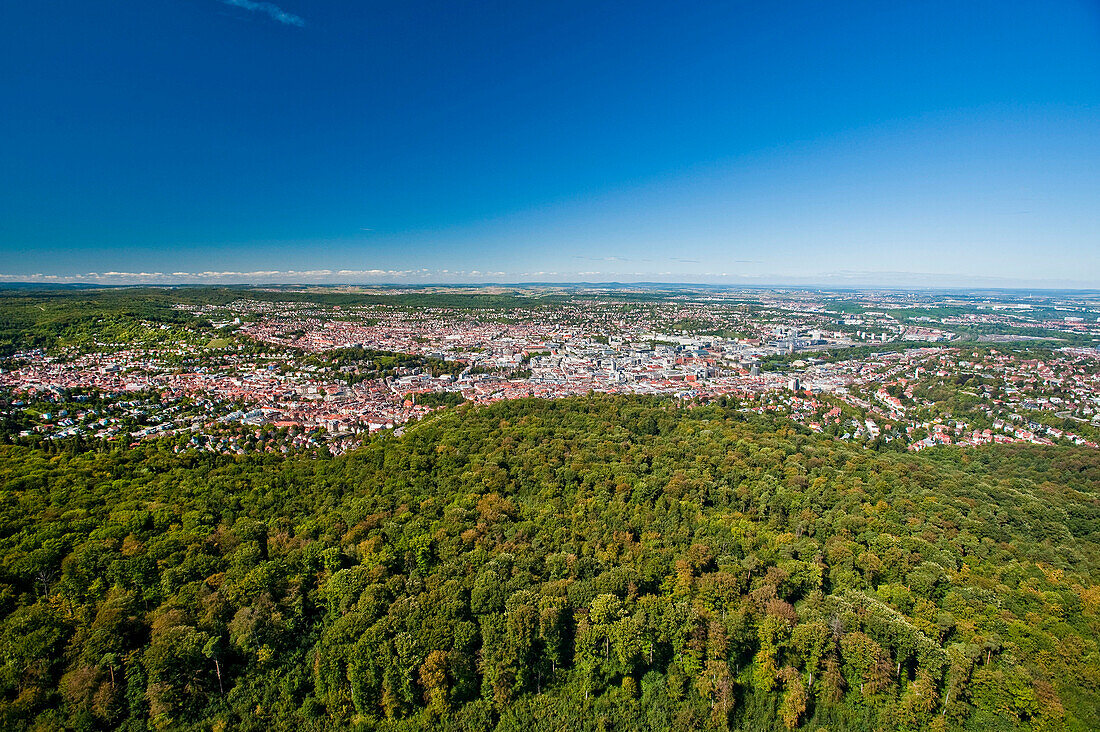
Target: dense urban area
(280, 370)
(549, 507)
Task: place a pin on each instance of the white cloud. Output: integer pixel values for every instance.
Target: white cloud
(901, 280)
(270, 9)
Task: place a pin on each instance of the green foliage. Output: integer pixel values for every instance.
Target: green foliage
(593, 563)
(84, 318)
(438, 398)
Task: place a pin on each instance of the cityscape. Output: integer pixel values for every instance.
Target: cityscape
(291, 373)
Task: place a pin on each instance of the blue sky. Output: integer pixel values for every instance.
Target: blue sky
(890, 143)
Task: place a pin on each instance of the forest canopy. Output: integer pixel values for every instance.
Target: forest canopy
(596, 563)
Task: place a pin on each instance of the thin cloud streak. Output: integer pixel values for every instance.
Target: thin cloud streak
(422, 276)
(270, 9)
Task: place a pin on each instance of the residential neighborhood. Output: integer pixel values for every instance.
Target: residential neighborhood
(282, 375)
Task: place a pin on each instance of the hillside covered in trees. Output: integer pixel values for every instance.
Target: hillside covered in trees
(601, 563)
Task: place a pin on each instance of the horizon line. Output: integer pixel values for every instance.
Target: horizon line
(27, 284)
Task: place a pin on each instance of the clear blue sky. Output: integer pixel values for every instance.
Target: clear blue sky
(875, 143)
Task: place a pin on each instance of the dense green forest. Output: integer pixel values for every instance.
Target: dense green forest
(600, 563)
